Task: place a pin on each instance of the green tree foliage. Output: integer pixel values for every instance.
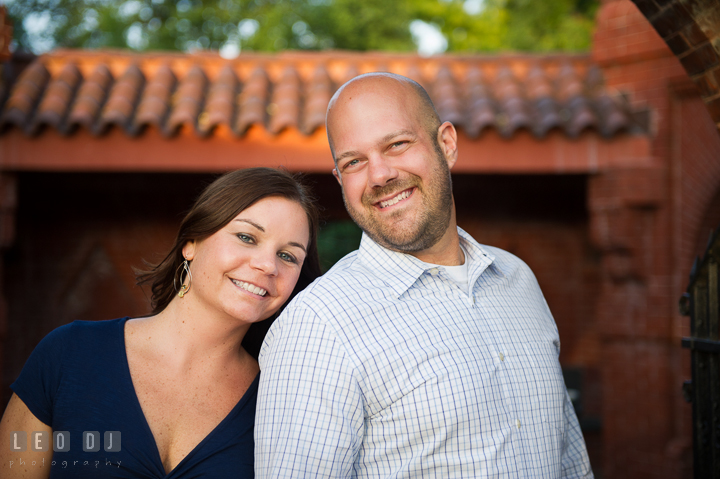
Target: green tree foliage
(272, 25)
(550, 25)
(520, 25)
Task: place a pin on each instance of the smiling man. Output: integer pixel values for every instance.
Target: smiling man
(422, 354)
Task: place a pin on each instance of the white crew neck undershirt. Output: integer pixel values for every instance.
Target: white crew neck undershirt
(459, 274)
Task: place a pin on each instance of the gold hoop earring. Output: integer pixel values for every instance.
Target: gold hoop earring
(185, 274)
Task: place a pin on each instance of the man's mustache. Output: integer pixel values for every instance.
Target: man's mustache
(395, 187)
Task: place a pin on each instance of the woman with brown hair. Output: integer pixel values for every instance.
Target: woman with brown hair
(172, 394)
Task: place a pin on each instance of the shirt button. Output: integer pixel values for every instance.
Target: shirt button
(502, 357)
(434, 271)
(517, 422)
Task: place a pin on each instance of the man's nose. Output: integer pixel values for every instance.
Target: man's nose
(380, 171)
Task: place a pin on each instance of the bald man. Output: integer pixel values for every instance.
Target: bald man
(424, 353)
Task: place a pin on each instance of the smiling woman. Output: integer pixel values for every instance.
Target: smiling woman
(174, 391)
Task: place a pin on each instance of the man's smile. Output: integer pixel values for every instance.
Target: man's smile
(395, 199)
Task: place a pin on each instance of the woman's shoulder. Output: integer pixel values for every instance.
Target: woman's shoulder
(94, 334)
(83, 327)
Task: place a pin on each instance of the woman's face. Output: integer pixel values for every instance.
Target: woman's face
(249, 268)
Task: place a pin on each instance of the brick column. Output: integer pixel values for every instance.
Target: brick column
(637, 226)
(628, 226)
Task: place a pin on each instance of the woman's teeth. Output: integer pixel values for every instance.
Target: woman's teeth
(250, 287)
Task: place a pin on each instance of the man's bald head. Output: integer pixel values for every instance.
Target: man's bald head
(416, 97)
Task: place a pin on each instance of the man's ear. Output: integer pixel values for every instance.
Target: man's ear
(337, 176)
(447, 139)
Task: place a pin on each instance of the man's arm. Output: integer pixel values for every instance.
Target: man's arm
(575, 461)
(310, 417)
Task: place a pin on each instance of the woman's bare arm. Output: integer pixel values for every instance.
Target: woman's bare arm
(28, 463)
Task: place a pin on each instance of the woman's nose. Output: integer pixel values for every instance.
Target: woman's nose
(265, 261)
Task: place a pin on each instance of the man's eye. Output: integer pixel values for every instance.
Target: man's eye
(398, 143)
(350, 164)
(287, 257)
(246, 238)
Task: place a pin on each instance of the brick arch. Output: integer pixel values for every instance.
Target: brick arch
(691, 28)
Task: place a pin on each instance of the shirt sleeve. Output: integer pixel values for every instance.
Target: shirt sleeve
(310, 418)
(40, 378)
(575, 460)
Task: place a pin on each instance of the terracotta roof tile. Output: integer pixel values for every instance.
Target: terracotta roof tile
(284, 108)
(446, 94)
(219, 109)
(481, 107)
(122, 99)
(514, 108)
(155, 101)
(90, 99)
(348, 73)
(578, 114)
(540, 93)
(318, 96)
(97, 90)
(25, 96)
(57, 99)
(252, 101)
(187, 102)
(613, 119)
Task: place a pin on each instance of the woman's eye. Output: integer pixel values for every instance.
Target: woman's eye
(245, 238)
(287, 257)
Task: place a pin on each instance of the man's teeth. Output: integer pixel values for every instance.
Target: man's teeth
(250, 287)
(390, 202)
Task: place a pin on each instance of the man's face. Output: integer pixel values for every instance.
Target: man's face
(395, 177)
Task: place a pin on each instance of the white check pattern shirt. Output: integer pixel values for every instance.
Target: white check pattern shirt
(384, 368)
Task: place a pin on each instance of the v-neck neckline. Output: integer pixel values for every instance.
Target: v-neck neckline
(146, 425)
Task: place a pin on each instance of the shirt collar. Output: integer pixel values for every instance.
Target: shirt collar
(479, 259)
(400, 271)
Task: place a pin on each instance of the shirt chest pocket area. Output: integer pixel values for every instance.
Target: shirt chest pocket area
(397, 376)
(540, 384)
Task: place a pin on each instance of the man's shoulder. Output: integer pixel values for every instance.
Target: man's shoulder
(500, 257)
(342, 289)
(349, 270)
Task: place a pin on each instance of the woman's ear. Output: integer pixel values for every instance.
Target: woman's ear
(188, 250)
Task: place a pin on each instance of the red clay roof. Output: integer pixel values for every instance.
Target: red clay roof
(97, 90)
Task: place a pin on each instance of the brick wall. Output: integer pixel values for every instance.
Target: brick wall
(691, 28)
(648, 222)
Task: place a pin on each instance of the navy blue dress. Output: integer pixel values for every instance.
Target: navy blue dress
(77, 380)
